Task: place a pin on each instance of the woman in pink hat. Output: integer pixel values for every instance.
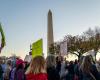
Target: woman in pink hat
(19, 73)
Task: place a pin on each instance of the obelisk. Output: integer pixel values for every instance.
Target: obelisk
(50, 38)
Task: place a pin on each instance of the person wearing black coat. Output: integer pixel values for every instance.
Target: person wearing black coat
(52, 74)
(51, 69)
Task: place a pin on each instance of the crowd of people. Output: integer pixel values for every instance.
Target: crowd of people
(51, 68)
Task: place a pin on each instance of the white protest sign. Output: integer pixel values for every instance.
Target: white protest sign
(63, 48)
(28, 58)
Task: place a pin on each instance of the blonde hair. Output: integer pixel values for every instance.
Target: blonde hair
(37, 65)
(51, 61)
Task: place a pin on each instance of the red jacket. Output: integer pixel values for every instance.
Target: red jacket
(40, 76)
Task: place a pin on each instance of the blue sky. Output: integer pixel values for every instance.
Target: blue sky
(25, 21)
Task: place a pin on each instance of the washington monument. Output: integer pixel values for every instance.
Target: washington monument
(50, 38)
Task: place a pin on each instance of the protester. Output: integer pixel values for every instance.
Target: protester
(13, 70)
(1, 70)
(37, 69)
(51, 68)
(64, 70)
(58, 63)
(4, 65)
(76, 69)
(71, 70)
(19, 73)
(76, 62)
(7, 70)
(88, 70)
(26, 65)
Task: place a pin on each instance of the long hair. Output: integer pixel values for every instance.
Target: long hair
(51, 61)
(86, 64)
(37, 65)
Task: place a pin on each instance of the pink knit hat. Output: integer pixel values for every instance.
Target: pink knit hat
(19, 61)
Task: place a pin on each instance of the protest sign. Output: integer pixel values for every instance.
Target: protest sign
(37, 48)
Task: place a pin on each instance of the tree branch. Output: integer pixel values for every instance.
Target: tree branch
(75, 53)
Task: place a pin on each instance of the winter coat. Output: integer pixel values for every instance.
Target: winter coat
(7, 73)
(58, 66)
(64, 71)
(12, 73)
(19, 74)
(53, 74)
(93, 73)
(1, 73)
(40, 76)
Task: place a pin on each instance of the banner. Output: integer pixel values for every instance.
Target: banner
(63, 48)
(37, 48)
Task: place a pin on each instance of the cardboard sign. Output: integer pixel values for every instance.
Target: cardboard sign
(37, 48)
